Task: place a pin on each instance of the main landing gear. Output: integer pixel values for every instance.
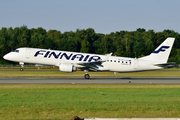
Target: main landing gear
(22, 66)
(86, 76)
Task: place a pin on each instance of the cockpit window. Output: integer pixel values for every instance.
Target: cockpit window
(16, 51)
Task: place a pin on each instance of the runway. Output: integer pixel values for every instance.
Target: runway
(97, 80)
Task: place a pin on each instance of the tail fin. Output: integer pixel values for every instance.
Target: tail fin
(161, 53)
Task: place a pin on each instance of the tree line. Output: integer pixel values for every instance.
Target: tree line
(137, 43)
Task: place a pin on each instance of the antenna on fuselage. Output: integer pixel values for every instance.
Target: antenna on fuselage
(135, 54)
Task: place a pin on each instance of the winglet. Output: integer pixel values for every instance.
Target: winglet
(108, 55)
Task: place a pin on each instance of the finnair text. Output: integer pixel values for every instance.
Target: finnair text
(70, 56)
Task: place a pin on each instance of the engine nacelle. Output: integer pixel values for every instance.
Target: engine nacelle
(66, 67)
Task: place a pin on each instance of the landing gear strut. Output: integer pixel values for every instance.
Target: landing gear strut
(22, 66)
(86, 76)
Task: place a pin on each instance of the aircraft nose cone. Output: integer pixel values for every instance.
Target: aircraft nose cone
(5, 57)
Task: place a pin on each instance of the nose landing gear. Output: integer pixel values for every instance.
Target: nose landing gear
(22, 66)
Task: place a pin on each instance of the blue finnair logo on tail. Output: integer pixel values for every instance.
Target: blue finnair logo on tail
(161, 49)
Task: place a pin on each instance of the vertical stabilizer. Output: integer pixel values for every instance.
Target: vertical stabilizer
(161, 53)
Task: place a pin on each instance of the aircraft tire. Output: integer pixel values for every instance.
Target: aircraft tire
(86, 76)
(21, 69)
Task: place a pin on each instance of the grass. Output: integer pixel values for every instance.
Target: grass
(103, 101)
(55, 101)
(56, 73)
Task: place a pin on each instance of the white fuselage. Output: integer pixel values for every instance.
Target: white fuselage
(55, 58)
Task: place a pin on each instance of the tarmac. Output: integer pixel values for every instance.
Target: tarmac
(97, 80)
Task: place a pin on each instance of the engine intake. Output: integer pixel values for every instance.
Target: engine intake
(66, 67)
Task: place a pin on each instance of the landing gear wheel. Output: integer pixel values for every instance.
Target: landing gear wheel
(86, 76)
(22, 66)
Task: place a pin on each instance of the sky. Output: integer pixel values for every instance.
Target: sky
(104, 16)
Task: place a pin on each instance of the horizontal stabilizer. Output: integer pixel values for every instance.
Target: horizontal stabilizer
(166, 65)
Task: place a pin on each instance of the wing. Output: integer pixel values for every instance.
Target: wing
(93, 65)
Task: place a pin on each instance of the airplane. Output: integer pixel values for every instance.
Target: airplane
(69, 61)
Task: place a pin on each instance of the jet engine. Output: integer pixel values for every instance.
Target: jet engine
(66, 67)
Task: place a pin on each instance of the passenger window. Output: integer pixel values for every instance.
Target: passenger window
(114, 60)
(111, 60)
